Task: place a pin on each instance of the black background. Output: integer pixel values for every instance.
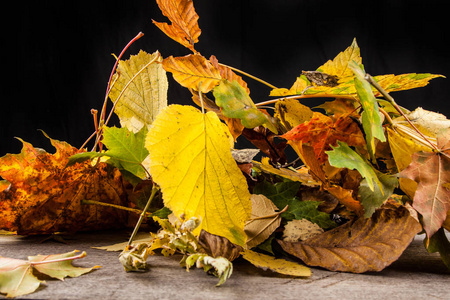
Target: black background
(62, 52)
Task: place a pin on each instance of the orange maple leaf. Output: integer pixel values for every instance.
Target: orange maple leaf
(322, 132)
(45, 196)
(184, 28)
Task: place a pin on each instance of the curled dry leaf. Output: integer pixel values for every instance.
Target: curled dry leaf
(263, 222)
(368, 244)
(216, 246)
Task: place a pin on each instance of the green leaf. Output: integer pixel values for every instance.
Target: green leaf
(235, 103)
(371, 120)
(343, 156)
(371, 200)
(283, 194)
(126, 149)
(439, 243)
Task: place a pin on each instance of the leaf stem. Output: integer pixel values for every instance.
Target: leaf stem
(137, 211)
(389, 98)
(250, 76)
(155, 189)
(302, 97)
(81, 255)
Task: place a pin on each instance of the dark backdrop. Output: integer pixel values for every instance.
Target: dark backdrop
(63, 52)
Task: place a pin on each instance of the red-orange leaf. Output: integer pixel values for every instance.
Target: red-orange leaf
(45, 196)
(431, 171)
(322, 132)
(184, 28)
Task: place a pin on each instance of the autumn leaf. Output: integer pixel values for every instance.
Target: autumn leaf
(343, 156)
(283, 194)
(317, 83)
(323, 132)
(228, 74)
(193, 72)
(371, 119)
(126, 152)
(374, 199)
(291, 113)
(45, 196)
(280, 266)
(402, 148)
(184, 28)
(300, 230)
(190, 159)
(17, 277)
(431, 172)
(368, 244)
(294, 175)
(266, 141)
(137, 104)
(235, 103)
(263, 222)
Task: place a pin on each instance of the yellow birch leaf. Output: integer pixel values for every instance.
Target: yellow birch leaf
(139, 103)
(190, 159)
(280, 266)
(192, 71)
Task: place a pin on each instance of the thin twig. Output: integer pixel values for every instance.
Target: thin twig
(389, 98)
(250, 76)
(155, 189)
(303, 97)
(136, 211)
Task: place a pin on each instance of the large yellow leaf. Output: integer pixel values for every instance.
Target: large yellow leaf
(139, 103)
(339, 65)
(192, 71)
(190, 159)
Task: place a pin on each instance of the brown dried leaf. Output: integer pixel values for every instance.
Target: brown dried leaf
(263, 222)
(216, 246)
(368, 244)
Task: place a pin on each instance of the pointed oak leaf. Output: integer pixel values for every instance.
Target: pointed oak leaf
(368, 244)
(323, 132)
(45, 196)
(184, 28)
(431, 171)
(190, 159)
(193, 72)
(137, 104)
